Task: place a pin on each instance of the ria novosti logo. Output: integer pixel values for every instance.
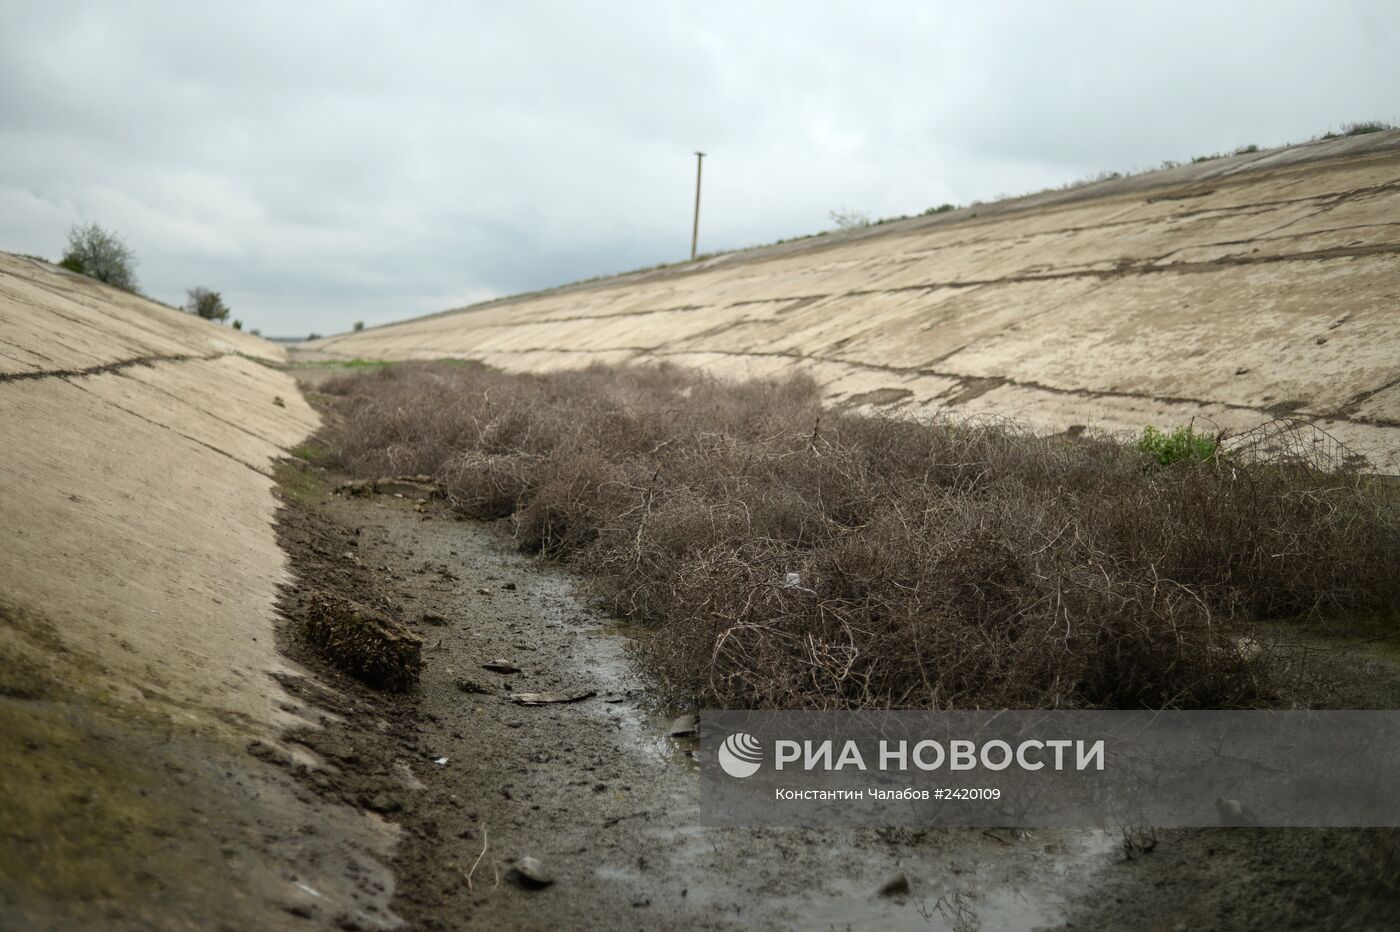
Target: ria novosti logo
(740, 755)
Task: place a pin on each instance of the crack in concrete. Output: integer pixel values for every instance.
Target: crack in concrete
(202, 411)
(154, 423)
(105, 367)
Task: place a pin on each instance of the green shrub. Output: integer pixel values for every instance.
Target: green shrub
(206, 303)
(100, 254)
(1183, 443)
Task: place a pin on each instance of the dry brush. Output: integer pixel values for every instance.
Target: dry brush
(791, 556)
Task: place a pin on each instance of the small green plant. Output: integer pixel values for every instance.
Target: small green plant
(356, 363)
(1184, 443)
(940, 209)
(359, 325)
(313, 451)
(238, 325)
(1246, 150)
(361, 363)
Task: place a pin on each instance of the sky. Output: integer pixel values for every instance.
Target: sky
(326, 163)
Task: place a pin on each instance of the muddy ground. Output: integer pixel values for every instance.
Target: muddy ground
(598, 793)
(608, 804)
(593, 789)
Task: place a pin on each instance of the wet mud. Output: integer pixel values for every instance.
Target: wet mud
(592, 789)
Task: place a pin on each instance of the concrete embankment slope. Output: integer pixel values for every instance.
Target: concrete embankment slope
(1238, 289)
(138, 577)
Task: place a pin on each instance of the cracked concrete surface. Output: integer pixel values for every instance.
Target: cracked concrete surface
(1235, 290)
(109, 463)
(138, 659)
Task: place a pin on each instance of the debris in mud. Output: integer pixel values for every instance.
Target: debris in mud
(500, 666)
(277, 400)
(551, 698)
(898, 885)
(382, 802)
(529, 872)
(687, 726)
(365, 643)
(509, 587)
(433, 618)
(420, 488)
(475, 688)
(415, 486)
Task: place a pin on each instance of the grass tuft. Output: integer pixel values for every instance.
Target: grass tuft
(1183, 443)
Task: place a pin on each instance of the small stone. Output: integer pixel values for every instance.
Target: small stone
(500, 666)
(383, 802)
(529, 872)
(687, 726)
(898, 885)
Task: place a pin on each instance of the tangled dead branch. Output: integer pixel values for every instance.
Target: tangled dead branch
(945, 564)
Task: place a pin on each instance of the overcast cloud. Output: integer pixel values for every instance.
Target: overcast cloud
(321, 163)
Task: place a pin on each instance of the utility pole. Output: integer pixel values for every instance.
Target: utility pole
(695, 229)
